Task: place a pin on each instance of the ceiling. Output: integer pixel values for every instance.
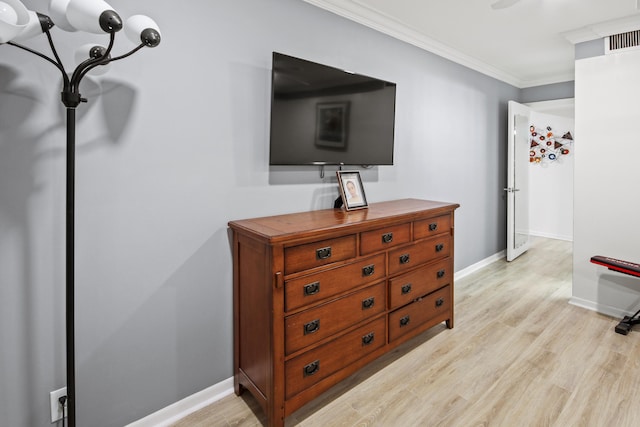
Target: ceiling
(527, 43)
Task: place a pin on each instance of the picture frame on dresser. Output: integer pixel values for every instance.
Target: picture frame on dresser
(352, 190)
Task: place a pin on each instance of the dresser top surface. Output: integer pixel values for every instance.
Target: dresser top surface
(281, 226)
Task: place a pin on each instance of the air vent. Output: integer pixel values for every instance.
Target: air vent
(623, 41)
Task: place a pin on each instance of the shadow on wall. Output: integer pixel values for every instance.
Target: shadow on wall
(117, 101)
(32, 156)
(17, 185)
(111, 101)
(616, 284)
(185, 323)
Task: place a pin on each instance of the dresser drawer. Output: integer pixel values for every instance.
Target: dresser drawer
(384, 238)
(409, 286)
(303, 257)
(320, 286)
(310, 326)
(416, 314)
(421, 252)
(431, 227)
(309, 368)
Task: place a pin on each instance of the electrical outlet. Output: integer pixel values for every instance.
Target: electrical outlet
(56, 407)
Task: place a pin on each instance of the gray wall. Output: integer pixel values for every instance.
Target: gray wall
(171, 146)
(548, 92)
(589, 49)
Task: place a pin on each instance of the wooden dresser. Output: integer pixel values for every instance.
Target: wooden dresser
(318, 295)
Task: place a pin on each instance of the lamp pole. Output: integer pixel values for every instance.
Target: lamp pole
(70, 265)
(87, 15)
(71, 99)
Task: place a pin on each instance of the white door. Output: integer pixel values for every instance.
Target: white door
(518, 180)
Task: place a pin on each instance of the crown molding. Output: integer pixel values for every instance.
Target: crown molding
(357, 12)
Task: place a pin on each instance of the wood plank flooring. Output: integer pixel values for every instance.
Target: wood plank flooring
(519, 355)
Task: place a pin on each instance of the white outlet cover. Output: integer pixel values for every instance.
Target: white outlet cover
(56, 410)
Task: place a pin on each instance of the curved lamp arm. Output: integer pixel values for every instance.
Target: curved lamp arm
(139, 29)
(95, 16)
(84, 67)
(41, 55)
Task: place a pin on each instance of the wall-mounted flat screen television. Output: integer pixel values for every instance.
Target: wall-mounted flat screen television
(322, 115)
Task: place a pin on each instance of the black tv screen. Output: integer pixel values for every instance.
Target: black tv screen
(322, 115)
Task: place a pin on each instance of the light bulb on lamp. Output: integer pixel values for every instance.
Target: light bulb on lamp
(142, 29)
(93, 16)
(58, 12)
(38, 24)
(8, 14)
(14, 17)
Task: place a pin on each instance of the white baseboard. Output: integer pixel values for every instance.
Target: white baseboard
(607, 310)
(478, 265)
(567, 238)
(190, 404)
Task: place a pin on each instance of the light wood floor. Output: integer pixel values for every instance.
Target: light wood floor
(519, 355)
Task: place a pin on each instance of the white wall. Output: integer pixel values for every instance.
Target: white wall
(551, 184)
(606, 215)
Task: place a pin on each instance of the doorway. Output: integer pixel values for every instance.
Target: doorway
(549, 179)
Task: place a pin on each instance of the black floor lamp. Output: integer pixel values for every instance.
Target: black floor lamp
(92, 16)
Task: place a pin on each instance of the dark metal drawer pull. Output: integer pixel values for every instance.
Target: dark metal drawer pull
(404, 259)
(404, 321)
(439, 302)
(323, 253)
(441, 274)
(311, 327)
(439, 247)
(311, 289)
(433, 226)
(387, 238)
(406, 288)
(368, 339)
(368, 303)
(368, 270)
(311, 368)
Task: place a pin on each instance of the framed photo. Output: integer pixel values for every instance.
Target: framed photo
(331, 124)
(351, 190)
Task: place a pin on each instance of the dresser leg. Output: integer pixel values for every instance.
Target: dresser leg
(276, 419)
(238, 389)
